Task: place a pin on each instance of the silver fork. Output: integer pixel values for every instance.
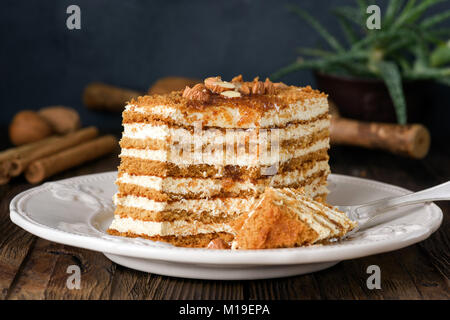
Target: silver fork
(369, 214)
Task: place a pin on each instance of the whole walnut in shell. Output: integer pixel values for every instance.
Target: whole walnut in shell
(62, 119)
(28, 126)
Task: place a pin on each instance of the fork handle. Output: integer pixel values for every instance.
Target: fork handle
(436, 193)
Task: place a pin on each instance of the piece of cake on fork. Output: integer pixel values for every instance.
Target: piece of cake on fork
(286, 217)
(193, 161)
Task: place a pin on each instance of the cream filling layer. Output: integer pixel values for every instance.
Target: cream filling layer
(207, 187)
(175, 228)
(144, 131)
(214, 207)
(220, 158)
(226, 117)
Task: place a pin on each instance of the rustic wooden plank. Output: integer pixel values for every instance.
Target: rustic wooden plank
(352, 161)
(130, 284)
(356, 275)
(423, 174)
(408, 173)
(15, 242)
(166, 288)
(303, 287)
(427, 173)
(438, 245)
(438, 248)
(35, 274)
(418, 175)
(430, 284)
(396, 282)
(333, 283)
(96, 275)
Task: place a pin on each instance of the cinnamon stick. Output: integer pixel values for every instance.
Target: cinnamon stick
(104, 97)
(19, 164)
(7, 156)
(409, 140)
(43, 168)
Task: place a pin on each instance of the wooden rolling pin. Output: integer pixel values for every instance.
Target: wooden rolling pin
(408, 140)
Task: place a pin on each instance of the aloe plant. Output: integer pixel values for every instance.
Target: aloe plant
(408, 46)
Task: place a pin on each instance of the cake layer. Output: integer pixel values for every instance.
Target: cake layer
(173, 228)
(161, 216)
(213, 207)
(218, 157)
(229, 118)
(137, 166)
(170, 188)
(175, 210)
(160, 135)
(227, 148)
(195, 241)
(286, 106)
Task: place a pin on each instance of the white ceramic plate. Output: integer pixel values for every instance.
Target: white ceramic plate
(77, 212)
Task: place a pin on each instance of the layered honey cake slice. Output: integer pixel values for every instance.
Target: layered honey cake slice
(284, 218)
(195, 160)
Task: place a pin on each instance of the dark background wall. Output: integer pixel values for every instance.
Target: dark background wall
(132, 43)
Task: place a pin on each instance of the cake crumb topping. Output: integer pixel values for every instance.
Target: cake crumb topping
(255, 95)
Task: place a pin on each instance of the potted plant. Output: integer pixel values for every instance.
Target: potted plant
(380, 72)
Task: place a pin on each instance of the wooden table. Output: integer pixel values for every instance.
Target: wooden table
(33, 268)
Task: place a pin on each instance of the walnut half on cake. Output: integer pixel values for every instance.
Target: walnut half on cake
(285, 218)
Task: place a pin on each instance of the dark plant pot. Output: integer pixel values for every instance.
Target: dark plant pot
(369, 99)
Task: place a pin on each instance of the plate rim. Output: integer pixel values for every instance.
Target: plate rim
(121, 246)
